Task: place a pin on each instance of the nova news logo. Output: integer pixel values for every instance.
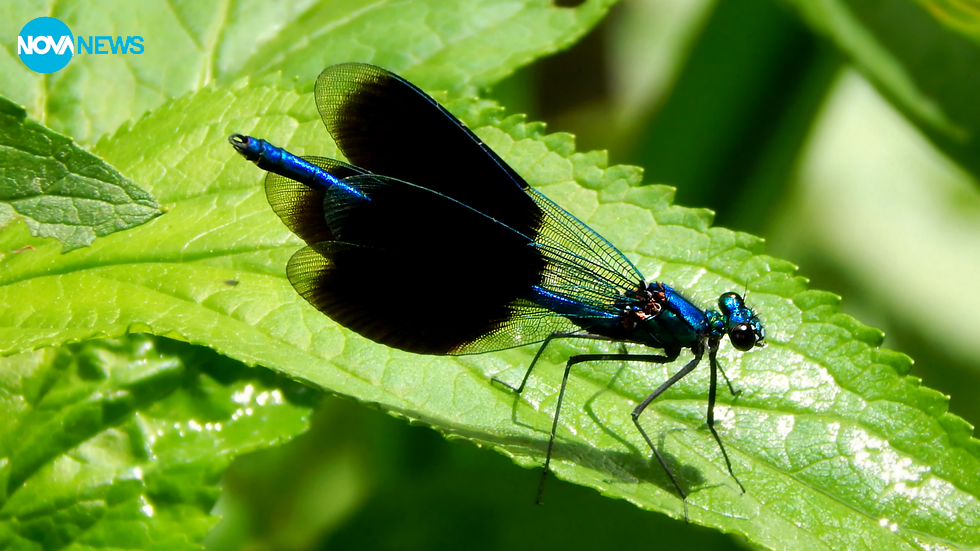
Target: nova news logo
(46, 45)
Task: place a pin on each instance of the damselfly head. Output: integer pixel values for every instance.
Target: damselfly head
(742, 325)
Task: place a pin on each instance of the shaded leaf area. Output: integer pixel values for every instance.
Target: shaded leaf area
(921, 55)
(961, 17)
(730, 132)
(60, 190)
(358, 469)
(191, 44)
(836, 445)
(116, 444)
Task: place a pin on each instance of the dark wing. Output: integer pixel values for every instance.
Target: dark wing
(386, 125)
(300, 206)
(416, 270)
(452, 252)
(585, 280)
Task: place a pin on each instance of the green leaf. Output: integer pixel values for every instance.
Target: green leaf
(921, 55)
(60, 190)
(834, 443)
(119, 444)
(189, 45)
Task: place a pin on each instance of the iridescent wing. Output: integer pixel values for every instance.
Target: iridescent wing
(448, 250)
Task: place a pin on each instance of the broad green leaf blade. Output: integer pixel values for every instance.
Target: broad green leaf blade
(921, 55)
(446, 44)
(836, 445)
(191, 44)
(60, 190)
(96, 93)
(119, 444)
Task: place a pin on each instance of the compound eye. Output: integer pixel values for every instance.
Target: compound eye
(742, 337)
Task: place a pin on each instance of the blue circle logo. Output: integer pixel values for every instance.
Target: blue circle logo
(45, 45)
